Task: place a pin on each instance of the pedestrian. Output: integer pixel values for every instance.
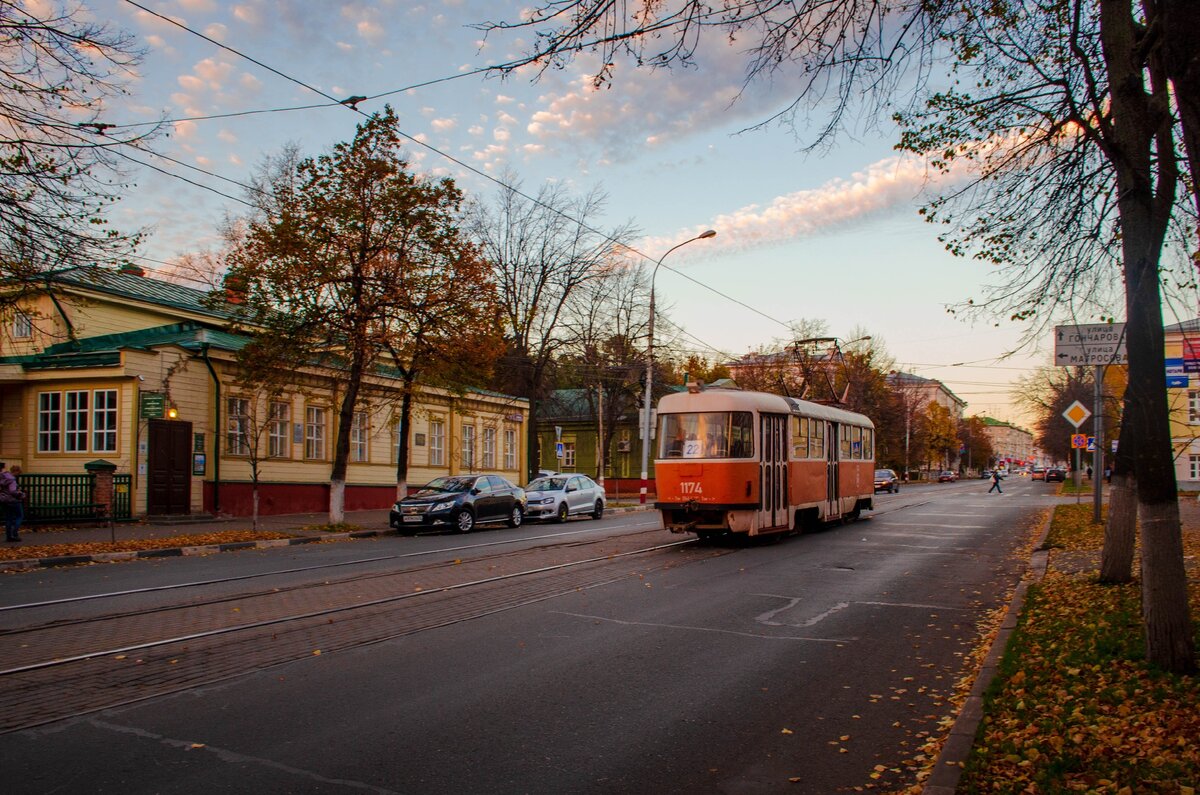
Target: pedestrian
(996, 483)
(1108, 474)
(10, 500)
(1089, 473)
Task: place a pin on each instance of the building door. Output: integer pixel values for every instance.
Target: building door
(169, 481)
(833, 506)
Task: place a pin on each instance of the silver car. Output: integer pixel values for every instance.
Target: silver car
(562, 496)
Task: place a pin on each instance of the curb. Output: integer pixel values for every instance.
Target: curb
(949, 765)
(27, 564)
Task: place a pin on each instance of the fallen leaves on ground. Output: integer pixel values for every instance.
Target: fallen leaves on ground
(26, 551)
(1075, 708)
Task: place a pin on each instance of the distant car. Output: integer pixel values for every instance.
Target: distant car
(1056, 474)
(461, 501)
(564, 495)
(987, 473)
(1038, 473)
(886, 480)
(947, 476)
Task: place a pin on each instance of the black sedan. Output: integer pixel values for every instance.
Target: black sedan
(461, 501)
(1056, 475)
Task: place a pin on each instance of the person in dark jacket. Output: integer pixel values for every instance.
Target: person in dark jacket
(10, 499)
(996, 478)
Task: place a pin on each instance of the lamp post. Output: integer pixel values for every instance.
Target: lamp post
(646, 404)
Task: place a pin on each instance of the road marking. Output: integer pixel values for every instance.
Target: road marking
(766, 618)
(702, 629)
(947, 526)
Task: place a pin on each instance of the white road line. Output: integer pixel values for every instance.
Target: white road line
(702, 629)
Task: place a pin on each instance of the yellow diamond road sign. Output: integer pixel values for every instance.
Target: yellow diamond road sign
(1076, 413)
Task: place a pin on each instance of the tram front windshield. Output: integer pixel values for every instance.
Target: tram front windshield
(709, 434)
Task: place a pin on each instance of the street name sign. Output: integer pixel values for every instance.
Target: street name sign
(1099, 343)
(1077, 413)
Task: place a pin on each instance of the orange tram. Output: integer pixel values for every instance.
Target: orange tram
(729, 460)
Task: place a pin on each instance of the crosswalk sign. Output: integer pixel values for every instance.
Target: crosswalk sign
(1091, 444)
(1078, 441)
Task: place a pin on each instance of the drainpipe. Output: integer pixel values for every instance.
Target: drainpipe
(217, 430)
(61, 312)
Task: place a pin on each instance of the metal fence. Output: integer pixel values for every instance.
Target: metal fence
(68, 498)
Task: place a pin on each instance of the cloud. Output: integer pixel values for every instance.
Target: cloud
(883, 186)
(443, 125)
(247, 14)
(216, 31)
(200, 6)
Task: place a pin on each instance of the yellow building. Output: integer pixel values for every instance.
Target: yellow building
(139, 372)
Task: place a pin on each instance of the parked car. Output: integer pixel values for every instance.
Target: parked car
(986, 474)
(886, 480)
(947, 476)
(564, 495)
(1056, 474)
(461, 501)
(1038, 473)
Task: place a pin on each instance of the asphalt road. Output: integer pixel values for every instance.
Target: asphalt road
(812, 664)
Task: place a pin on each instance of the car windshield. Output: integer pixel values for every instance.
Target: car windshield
(547, 484)
(453, 484)
(883, 473)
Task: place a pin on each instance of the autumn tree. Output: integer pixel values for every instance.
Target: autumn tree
(1045, 394)
(974, 439)
(544, 252)
(343, 251)
(1070, 115)
(59, 68)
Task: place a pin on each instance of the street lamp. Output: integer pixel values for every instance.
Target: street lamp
(646, 405)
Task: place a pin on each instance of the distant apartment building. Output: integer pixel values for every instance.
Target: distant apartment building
(1182, 351)
(1013, 445)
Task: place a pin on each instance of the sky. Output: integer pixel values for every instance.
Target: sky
(830, 236)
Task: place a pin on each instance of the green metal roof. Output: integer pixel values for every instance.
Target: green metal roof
(139, 288)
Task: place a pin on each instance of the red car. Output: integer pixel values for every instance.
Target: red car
(947, 476)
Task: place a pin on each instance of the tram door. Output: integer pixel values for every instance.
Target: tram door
(773, 477)
(832, 507)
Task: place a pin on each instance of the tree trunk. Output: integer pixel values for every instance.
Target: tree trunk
(254, 507)
(403, 430)
(341, 450)
(1120, 531)
(1145, 201)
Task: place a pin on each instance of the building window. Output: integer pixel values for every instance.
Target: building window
(77, 422)
(396, 439)
(237, 423)
(468, 447)
(510, 449)
(104, 421)
(49, 422)
(278, 430)
(314, 433)
(568, 461)
(1194, 467)
(437, 443)
(358, 437)
(1194, 406)
(489, 448)
(22, 326)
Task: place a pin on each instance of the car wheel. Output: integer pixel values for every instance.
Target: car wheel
(563, 512)
(516, 517)
(599, 511)
(895, 489)
(464, 520)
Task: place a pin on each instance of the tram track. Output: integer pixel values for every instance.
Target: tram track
(120, 660)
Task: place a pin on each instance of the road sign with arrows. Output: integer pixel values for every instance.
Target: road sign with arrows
(1100, 343)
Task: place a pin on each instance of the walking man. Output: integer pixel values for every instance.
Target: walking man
(996, 483)
(10, 501)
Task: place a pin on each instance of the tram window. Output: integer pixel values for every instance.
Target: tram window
(856, 443)
(868, 443)
(816, 435)
(844, 436)
(711, 434)
(800, 437)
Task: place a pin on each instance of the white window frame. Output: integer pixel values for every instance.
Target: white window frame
(489, 448)
(360, 450)
(1194, 467)
(237, 423)
(468, 447)
(22, 326)
(395, 438)
(510, 449)
(315, 424)
(50, 422)
(568, 461)
(77, 408)
(104, 420)
(1194, 407)
(437, 443)
(279, 429)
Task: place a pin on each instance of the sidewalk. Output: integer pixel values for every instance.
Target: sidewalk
(371, 523)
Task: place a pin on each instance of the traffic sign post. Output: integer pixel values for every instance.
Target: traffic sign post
(1099, 344)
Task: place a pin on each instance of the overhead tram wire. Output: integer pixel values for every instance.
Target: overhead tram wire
(353, 107)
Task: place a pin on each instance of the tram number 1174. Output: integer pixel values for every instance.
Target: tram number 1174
(690, 487)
